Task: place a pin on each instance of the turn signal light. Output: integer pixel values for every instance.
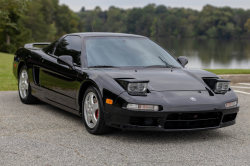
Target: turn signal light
(143, 107)
(231, 104)
(109, 101)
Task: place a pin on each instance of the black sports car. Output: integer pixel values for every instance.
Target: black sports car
(123, 81)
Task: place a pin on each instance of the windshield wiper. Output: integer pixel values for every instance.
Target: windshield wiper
(170, 66)
(156, 66)
(103, 66)
(167, 65)
(164, 66)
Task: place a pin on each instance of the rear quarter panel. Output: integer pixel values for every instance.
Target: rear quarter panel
(26, 57)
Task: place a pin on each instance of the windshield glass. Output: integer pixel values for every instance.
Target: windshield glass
(126, 51)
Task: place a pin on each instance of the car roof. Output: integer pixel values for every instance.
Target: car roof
(104, 34)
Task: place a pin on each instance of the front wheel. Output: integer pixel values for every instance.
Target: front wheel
(24, 87)
(93, 112)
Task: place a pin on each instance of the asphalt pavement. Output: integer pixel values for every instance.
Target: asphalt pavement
(44, 135)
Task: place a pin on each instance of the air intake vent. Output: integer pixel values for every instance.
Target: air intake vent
(229, 117)
(36, 72)
(193, 120)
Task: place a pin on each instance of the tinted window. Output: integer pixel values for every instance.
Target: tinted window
(50, 48)
(70, 45)
(126, 51)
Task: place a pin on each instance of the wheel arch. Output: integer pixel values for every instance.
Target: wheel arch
(20, 65)
(84, 86)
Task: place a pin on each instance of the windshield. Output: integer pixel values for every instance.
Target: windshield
(126, 51)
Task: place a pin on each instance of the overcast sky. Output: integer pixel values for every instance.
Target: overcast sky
(76, 5)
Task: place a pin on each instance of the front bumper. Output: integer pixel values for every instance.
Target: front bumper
(170, 121)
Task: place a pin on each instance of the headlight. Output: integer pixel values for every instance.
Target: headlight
(231, 104)
(143, 107)
(137, 88)
(134, 87)
(221, 87)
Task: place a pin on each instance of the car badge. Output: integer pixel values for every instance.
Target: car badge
(192, 98)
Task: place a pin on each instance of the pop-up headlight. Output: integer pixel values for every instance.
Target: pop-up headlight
(221, 86)
(137, 88)
(134, 87)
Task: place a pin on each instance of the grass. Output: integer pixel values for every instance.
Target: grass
(7, 79)
(9, 82)
(229, 71)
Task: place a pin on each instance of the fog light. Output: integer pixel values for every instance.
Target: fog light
(143, 107)
(231, 104)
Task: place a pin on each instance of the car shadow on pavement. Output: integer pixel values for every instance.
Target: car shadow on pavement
(142, 136)
(167, 137)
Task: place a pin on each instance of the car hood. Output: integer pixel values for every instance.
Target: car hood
(164, 79)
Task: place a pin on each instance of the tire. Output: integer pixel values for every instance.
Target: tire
(96, 110)
(24, 88)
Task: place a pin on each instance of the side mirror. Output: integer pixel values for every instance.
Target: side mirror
(66, 60)
(182, 60)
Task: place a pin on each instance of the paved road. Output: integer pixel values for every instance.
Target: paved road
(45, 135)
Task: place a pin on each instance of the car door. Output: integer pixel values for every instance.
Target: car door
(58, 80)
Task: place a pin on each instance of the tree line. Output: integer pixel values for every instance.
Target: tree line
(25, 21)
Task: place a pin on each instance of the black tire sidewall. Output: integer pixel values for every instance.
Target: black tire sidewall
(101, 120)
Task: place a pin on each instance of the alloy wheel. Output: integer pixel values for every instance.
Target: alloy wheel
(23, 84)
(91, 110)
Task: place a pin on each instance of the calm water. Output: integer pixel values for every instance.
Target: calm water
(210, 53)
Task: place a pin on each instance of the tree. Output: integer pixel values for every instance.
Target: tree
(12, 33)
(66, 21)
(161, 9)
(247, 26)
(34, 19)
(8, 6)
(153, 28)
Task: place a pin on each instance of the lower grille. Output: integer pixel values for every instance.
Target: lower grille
(140, 121)
(229, 118)
(193, 120)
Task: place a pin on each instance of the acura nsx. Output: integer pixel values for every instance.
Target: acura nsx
(124, 81)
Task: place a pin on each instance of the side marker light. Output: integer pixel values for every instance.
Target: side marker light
(109, 101)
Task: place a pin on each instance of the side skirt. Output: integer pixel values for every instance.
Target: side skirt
(39, 94)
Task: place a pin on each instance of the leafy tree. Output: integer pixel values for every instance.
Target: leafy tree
(35, 20)
(8, 6)
(66, 21)
(212, 32)
(12, 33)
(24, 21)
(161, 9)
(247, 26)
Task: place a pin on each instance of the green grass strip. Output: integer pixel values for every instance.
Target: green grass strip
(7, 80)
(229, 71)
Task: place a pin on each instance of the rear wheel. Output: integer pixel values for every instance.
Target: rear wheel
(24, 87)
(93, 112)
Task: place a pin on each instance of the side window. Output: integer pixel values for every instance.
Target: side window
(70, 45)
(50, 48)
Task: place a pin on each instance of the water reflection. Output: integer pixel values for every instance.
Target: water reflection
(210, 53)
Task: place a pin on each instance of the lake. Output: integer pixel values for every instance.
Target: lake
(209, 53)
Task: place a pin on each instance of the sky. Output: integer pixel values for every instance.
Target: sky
(76, 5)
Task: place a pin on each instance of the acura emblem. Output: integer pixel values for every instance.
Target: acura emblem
(192, 98)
